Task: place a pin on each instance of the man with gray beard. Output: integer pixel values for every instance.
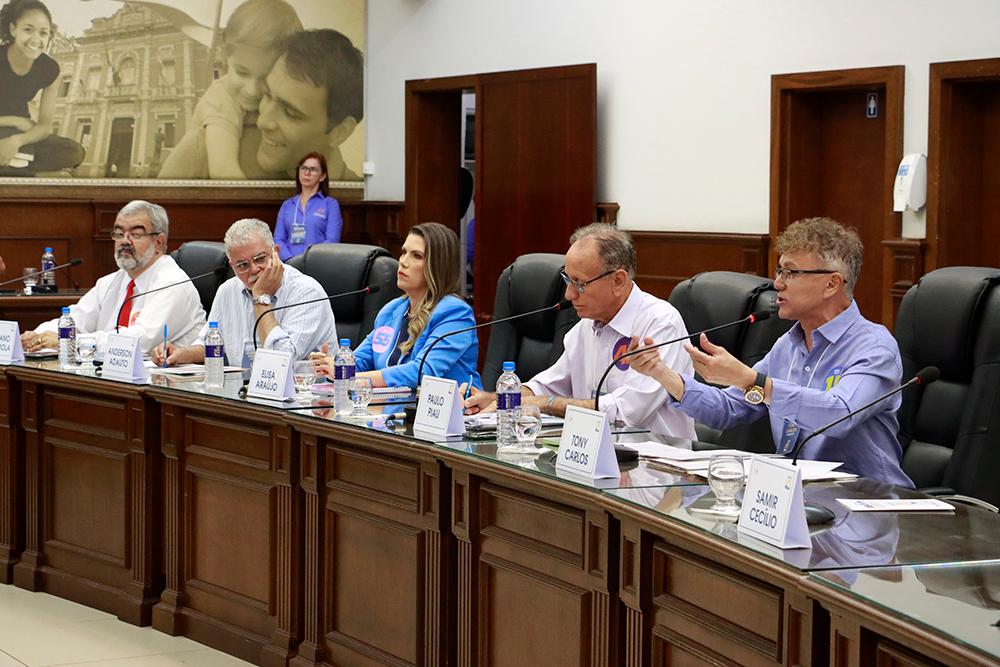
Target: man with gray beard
(140, 237)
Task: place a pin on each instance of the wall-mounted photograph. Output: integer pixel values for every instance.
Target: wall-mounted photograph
(190, 90)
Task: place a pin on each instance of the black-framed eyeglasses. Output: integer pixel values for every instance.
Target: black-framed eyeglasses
(259, 260)
(580, 286)
(136, 234)
(790, 274)
(306, 169)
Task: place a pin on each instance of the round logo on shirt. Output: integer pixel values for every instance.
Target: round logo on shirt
(620, 348)
(133, 317)
(382, 339)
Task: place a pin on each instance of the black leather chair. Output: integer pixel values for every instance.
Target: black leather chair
(716, 297)
(343, 267)
(534, 343)
(950, 429)
(197, 257)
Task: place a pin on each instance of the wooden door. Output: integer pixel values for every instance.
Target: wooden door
(833, 155)
(963, 179)
(536, 162)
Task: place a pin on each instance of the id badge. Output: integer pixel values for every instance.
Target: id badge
(298, 234)
(789, 435)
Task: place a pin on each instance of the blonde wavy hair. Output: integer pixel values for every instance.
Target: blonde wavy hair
(442, 260)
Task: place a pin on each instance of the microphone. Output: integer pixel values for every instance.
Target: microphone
(371, 289)
(752, 318)
(72, 262)
(158, 289)
(562, 305)
(925, 376)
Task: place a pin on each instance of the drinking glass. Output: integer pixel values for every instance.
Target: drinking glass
(726, 477)
(29, 280)
(527, 424)
(304, 375)
(86, 348)
(361, 395)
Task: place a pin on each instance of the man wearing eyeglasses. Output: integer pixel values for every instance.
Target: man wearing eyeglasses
(599, 271)
(261, 283)
(117, 301)
(832, 361)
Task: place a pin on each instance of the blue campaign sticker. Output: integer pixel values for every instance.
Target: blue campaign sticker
(382, 339)
(833, 378)
(620, 348)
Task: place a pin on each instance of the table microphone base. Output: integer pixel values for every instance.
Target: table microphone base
(817, 515)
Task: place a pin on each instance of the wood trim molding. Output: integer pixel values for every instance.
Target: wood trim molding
(902, 266)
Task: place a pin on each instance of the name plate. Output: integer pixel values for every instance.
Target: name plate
(271, 375)
(585, 448)
(438, 411)
(773, 510)
(11, 351)
(123, 359)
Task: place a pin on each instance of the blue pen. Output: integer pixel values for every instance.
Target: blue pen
(164, 345)
(468, 389)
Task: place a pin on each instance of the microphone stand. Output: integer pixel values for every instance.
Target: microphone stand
(72, 262)
(158, 289)
(749, 319)
(371, 289)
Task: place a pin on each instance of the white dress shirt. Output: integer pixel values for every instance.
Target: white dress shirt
(300, 330)
(627, 396)
(178, 307)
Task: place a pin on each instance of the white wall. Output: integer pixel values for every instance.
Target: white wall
(683, 87)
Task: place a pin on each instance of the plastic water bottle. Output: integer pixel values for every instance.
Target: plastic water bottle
(343, 377)
(67, 340)
(47, 282)
(508, 400)
(215, 358)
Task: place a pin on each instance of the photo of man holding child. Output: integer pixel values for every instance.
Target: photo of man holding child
(221, 90)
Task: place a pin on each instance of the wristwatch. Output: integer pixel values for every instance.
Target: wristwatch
(754, 395)
(263, 300)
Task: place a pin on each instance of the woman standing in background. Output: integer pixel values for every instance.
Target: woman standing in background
(312, 215)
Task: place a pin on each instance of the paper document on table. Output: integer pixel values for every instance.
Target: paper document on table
(488, 421)
(812, 471)
(185, 369)
(895, 505)
(660, 450)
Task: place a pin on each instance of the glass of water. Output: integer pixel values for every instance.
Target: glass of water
(726, 477)
(304, 375)
(86, 349)
(361, 395)
(527, 424)
(29, 280)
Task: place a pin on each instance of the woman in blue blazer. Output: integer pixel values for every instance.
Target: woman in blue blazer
(429, 274)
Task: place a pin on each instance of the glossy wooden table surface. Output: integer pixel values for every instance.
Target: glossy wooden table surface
(285, 536)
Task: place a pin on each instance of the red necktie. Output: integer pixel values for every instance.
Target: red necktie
(127, 308)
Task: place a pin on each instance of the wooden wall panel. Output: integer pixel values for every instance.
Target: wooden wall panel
(81, 226)
(667, 258)
(902, 266)
(11, 478)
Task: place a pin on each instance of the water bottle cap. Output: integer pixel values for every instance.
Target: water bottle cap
(213, 325)
(508, 366)
(345, 342)
(48, 249)
(65, 310)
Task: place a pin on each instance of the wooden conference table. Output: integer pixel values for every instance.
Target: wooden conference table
(290, 537)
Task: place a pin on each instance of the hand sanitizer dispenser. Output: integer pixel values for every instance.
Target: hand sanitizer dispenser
(910, 189)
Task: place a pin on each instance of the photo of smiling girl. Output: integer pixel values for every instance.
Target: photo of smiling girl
(28, 146)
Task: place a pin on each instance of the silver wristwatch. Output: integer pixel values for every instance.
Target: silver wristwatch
(263, 300)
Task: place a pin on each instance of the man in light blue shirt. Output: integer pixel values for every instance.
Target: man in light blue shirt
(832, 361)
(261, 283)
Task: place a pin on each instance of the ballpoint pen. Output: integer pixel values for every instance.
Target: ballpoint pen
(164, 345)
(468, 389)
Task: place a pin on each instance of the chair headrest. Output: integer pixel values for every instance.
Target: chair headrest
(939, 316)
(197, 257)
(533, 283)
(717, 297)
(341, 267)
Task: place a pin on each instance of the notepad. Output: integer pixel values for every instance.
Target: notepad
(895, 505)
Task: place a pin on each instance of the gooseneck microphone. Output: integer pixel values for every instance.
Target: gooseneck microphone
(371, 289)
(158, 289)
(72, 262)
(562, 305)
(925, 376)
(752, 318)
